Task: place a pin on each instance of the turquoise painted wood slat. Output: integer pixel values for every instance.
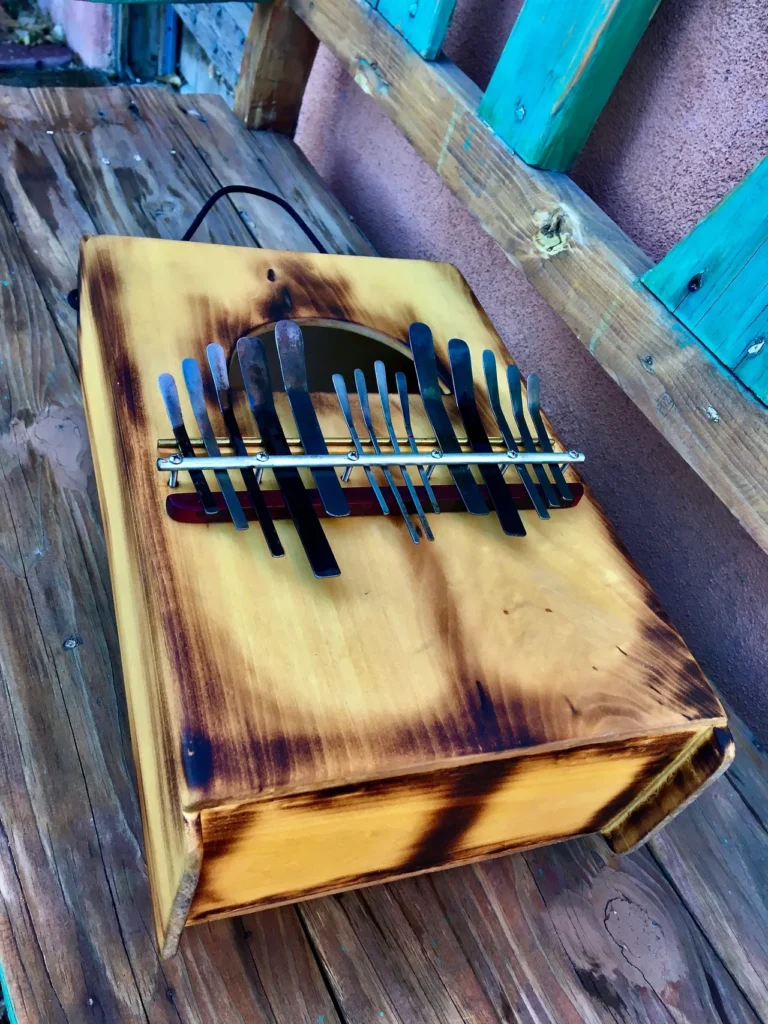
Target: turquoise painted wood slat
(752, 367)
(560, 65)
(422, 22)
(716, 280)
(6, 998)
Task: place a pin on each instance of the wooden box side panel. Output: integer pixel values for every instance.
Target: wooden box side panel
(263, 854)
(172, 839)
(696, 766)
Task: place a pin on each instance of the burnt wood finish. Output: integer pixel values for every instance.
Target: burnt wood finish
(561, 934)
(562, 646)
(399, 827)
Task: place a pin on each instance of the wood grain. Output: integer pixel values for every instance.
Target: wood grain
(725, 884)
(277, 59)
(269, 161)
(702, 761)
(581, 263)
(713, 280)
(76, 938)
(545, 109)
(254, 855)
(207, 28)
(43, 202)
(441, 947)
(221, 30)
(76, 935)
(100, 133)
(617, 640)
(242, 720)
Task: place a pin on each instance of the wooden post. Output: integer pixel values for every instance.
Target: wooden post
(715, 280)
(277, 59)
(559, 67)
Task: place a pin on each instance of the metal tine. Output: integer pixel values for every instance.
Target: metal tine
(516, 394)
(193, 378)
(290, 351)
(492, 387)
(258, 390)
(362, 394)
(170, 395)
(217, 361)
(405, 408)
(464, 391)
(534, 407)
(346, 409)
(381, 380)
(425, 362)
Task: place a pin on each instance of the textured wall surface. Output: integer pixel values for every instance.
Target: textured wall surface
(88, 27)
(687, 120)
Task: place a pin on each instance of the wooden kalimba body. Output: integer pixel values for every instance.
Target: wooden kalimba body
(432, 704)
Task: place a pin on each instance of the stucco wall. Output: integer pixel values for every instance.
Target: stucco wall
(88, 27)
(688, 119)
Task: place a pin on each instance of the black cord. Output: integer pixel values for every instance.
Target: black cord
(74, 298)
(262, 194)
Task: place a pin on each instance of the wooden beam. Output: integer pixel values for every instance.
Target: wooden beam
(582, 264)
(557, 71)
(422, 22)
(276, 63)
(716, 280)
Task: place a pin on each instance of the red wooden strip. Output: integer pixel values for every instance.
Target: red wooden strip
(184, 506)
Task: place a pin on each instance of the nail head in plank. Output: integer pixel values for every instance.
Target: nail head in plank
(700, 268)
(716, 280)
(422, 22)
(220, 30)
(556, 73)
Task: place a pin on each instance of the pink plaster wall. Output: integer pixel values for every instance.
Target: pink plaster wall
(88, 27)
(687, 120)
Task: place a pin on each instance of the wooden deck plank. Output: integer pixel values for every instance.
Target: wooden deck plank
(390, 949)
(511, 943)
(580, 262)
(75, 925)
(725, 885)
(274, 163)
(135, 176)
(585, 937)
(44, 203)
(69, 806)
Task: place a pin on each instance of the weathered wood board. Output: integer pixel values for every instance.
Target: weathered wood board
(274, 69)
(562, 934)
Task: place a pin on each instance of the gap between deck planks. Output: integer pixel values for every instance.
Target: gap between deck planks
(559, 934)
